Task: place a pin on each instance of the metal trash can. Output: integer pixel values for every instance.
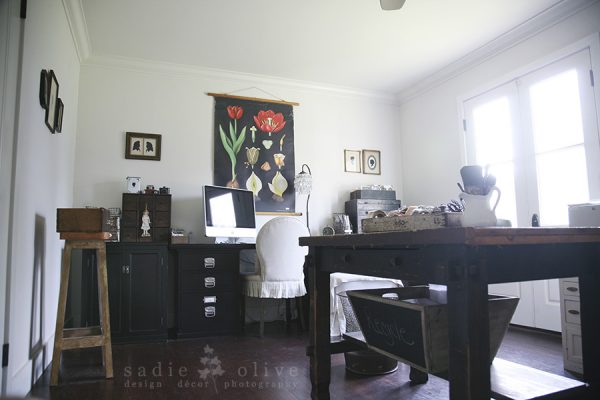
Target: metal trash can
(363, 362)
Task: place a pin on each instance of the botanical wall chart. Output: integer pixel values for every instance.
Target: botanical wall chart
(254, 150)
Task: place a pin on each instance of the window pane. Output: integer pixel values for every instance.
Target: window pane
(493, 132)
(556, 112)
(562, 180)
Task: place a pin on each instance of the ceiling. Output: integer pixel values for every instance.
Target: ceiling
(342, 43)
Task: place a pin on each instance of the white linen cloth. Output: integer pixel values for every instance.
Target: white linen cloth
(337, 321)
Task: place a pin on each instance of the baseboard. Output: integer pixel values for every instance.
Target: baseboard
(532, 329)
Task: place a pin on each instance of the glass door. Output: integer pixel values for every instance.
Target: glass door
(538, 135)
(561, 136)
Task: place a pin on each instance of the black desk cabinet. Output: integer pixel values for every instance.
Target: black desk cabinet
(208, 289)
(137, 291)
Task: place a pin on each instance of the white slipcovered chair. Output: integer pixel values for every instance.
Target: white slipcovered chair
(279, 263)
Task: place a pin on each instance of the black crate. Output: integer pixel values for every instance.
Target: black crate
(373, 194)
(358, 209)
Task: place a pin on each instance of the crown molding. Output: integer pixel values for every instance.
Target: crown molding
(533, 26)
(538, 23)
(185, 70)
(79, 32)
(78, 27)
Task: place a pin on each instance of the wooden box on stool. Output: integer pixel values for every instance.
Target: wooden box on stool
(92, 220)
(82, 223)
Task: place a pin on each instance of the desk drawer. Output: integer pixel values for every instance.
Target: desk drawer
(208, 261)
(569, 287)
(572, 312)
(202, 280)
(205, 315)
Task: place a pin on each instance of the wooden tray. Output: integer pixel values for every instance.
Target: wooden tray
(410, 222)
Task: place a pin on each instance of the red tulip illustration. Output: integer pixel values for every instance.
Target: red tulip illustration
(269, 122)
(235, 112)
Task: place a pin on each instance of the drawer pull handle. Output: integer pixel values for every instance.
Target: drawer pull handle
(210, 311)
(572, 289)
(210, 299)
(574, 312)
(210, 282)
(209, 262)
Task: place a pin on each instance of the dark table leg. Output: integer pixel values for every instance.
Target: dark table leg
(589, 284)
(320, 357)
(468, 331)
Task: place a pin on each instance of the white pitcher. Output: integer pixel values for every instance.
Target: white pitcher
(478, 211)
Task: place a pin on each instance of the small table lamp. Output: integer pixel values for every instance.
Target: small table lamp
(303, 185)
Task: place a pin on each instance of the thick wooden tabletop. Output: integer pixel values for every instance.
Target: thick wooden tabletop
(466, 259)
(495, 236)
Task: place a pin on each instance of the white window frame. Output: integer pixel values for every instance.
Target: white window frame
(590, 43)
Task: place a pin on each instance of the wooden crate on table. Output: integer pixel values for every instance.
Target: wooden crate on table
(415, 222)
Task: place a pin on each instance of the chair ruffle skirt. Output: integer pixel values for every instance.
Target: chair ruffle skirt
(274, 289)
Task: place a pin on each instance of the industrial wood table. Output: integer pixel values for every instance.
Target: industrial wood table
(466, 260)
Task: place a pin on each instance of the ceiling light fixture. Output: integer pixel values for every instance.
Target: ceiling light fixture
(391, 4)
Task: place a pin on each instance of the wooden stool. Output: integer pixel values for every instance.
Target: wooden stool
(77, 338)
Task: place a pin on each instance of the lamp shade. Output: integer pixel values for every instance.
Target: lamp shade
(303, 185)
(303, 181)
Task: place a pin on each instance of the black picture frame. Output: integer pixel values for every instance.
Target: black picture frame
(52, 101)
(59, 116)
(142, 146)
(44, 89)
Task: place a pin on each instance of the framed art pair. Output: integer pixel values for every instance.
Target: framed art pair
(50, 101)
(142, 146)
(365, 161)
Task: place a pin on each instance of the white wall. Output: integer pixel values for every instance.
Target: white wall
(119, 96)
(430, 129)
(10, 45)
(44, 181)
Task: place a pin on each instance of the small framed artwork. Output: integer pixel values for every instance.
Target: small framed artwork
(44, 89)
(59, 116)
(371, 162)
(52, 101)
(352, 161)
(142, 146)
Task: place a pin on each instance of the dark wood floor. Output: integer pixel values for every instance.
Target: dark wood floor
(247, 367)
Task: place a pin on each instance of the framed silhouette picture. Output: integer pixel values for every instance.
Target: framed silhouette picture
(142, 146)
(371, 162)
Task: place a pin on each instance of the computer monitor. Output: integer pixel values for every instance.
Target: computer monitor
(229, 212)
